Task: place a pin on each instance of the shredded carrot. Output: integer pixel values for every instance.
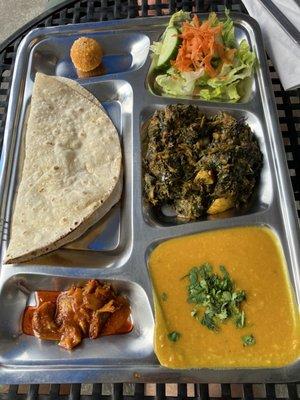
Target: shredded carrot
(200, 43)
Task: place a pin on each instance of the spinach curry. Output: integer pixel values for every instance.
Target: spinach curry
(199, 164)
(243, 315)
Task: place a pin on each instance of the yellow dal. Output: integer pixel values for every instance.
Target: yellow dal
(253, 258)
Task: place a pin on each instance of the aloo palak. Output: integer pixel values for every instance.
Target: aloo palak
(222, 299)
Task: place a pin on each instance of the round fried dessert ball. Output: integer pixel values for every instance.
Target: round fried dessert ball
(86, 54)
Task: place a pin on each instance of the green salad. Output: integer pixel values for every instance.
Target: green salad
(203, 59)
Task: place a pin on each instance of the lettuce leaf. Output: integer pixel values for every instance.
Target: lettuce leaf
(179, 17)
(242, 68)
(213, 19)
(226, 93)
(181, 83)
(156, 47)
(228, 31)
(225, 85)
(245, 55)
(175, 85)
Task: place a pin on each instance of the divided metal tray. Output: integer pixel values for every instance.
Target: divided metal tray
(117, 248)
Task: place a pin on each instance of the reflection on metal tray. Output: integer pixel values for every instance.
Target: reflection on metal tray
(116, 249)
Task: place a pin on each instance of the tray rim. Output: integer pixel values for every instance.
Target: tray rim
(267, 375)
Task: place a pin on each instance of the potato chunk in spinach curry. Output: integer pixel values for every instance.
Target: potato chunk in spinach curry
(199, 164)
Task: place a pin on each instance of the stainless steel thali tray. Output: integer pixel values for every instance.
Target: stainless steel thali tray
(116, 249)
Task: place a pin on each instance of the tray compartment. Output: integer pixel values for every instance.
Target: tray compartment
(122, 52)
(130, 262)
(242, 31)
(18, 348)
(262, 197)
(108, 235)
(289, 260)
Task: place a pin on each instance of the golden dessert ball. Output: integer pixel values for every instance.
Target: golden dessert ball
(86, 54)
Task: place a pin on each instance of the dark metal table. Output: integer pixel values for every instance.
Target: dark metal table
(288, 107)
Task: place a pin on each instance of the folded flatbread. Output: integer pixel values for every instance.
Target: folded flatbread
(72, 169)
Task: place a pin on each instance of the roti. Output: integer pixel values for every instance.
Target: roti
(72, 169)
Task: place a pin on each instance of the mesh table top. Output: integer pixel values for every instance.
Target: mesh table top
(150, 391)
(288, 107)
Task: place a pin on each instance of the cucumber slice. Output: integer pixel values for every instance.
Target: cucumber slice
(168, 48)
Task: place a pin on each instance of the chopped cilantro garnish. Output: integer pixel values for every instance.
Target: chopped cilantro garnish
(194, 313)
(173, 336)
(248, 340)
(164, 296)
(208, 321)
(215, 293)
